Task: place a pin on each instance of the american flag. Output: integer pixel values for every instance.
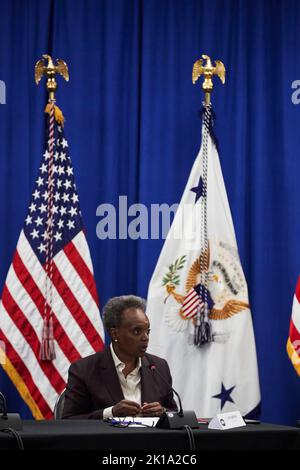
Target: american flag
(293, 343)
(50, 291)
(192, 302)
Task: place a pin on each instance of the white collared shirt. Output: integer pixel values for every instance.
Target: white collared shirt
(131, 385)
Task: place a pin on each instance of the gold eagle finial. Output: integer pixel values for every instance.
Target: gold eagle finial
(49, 71)
(208, 70)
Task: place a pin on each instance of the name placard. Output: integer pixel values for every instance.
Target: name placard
(223, 421)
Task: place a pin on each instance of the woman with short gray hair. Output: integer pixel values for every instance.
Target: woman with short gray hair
(113, 310)
(121, 380)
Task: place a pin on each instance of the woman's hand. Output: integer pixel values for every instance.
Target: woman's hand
(152, 409)
(126, 408)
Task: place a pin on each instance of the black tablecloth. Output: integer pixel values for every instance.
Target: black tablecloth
(98, 435)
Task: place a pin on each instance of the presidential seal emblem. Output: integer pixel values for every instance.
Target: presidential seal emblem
(215, 287)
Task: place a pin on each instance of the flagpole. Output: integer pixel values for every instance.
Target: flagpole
(47, 350)
(202, 325)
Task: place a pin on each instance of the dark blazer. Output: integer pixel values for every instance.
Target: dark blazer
(93, 385)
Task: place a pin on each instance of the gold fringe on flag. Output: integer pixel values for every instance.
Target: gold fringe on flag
(293, 355)
(21, 387)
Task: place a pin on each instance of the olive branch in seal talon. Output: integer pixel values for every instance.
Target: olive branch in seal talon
(172, 278)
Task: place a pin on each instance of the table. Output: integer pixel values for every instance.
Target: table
(98, 436)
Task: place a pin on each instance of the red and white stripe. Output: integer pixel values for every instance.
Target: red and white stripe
(78, 329)
(191, 303)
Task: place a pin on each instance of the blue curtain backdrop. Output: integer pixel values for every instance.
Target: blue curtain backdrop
(132, 120)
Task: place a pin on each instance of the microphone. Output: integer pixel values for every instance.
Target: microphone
(171, 419)
(153, 368)
(8, 420)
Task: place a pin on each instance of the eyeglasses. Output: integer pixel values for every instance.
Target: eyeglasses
(125, 423)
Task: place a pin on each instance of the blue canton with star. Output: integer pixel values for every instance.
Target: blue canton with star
(66, 220)
(224, 396)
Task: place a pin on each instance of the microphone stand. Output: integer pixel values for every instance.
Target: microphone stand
(171, 419)
(9, 420)
(3, 407)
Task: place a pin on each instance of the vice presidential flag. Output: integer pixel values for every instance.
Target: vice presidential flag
(49, 314)
(198, 300)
